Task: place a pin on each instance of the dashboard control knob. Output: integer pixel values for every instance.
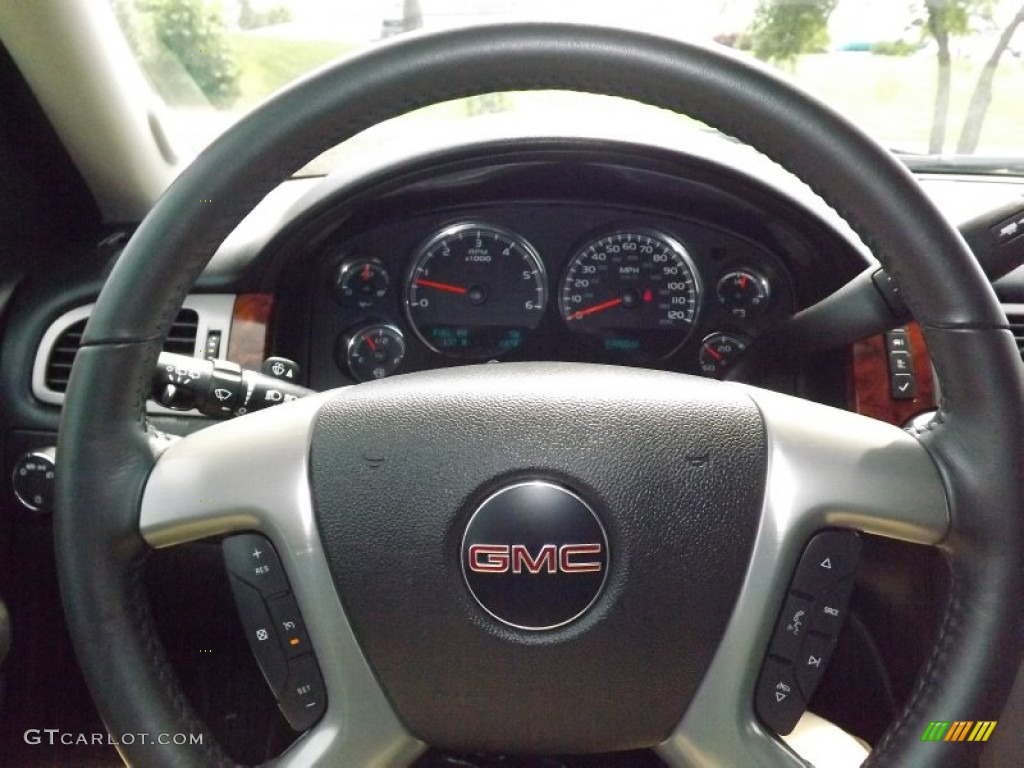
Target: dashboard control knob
(374, 351)
(33, 479)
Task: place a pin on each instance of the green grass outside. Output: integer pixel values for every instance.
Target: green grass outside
(267, 63)
(891, 97)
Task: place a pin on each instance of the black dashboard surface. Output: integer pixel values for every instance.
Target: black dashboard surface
(754, 257)
(558, 195)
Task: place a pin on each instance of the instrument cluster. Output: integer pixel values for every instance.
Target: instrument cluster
(672, 293)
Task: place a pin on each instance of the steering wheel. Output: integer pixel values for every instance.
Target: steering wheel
(705, 492)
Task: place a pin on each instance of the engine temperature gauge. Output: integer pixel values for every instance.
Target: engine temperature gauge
(720, 350)
(743, 292)
(374, 351)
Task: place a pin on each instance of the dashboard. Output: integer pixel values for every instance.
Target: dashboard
(685, 258)
(586, 250)
(571, 251)
(597, 286)
(538, 249)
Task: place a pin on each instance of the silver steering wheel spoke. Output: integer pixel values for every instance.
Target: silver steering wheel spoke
(252, 474)
(827, 468)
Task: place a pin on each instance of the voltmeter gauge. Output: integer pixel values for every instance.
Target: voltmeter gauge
(374, 351)
(720, 350)
(744, 292)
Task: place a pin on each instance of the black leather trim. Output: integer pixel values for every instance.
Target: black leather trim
(100, 439)
(976, 446)
(100, 556)
(806, 137)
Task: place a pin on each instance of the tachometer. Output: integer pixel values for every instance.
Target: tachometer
(475, 290)
(637, 290)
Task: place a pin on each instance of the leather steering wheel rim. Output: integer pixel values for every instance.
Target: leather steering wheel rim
(107, 449)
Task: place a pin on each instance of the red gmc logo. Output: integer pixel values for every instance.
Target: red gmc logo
(551, 558)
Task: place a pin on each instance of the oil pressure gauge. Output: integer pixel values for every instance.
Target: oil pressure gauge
(720, 350)
(374, 351)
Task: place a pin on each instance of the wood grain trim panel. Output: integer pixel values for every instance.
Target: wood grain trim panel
(250, 329)
(870, 394)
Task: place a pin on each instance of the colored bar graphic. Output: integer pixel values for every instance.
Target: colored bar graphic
(982, 730)
(959, 730)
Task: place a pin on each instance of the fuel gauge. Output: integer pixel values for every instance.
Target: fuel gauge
(361, 282)
(720, 350)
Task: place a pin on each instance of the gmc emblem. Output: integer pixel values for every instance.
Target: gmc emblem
(550, 558)
(534, 555)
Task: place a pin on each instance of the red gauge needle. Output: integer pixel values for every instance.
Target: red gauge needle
(716, 355)
(440, 286)
(596, 308)
(366, 273)
(371, 343)
(743, 282)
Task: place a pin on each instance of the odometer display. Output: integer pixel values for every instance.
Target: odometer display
(637, 291)
(475, 291)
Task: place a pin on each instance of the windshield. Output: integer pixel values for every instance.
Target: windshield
(937, 80)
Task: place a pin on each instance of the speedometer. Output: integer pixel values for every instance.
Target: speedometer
(475, 291)
(637, 291)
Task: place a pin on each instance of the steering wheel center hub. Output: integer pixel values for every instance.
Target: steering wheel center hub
(535, 555)
(546, 531)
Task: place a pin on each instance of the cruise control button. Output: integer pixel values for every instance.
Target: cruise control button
(810, 666)
(288, 622)
(792, 627)
(252, 558)
(830, 557)
(830, 610)
(305, 697)
(778, 702)
(259, 631)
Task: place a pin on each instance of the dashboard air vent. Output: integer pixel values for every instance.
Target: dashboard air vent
(182, 340)
(1015, 315)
